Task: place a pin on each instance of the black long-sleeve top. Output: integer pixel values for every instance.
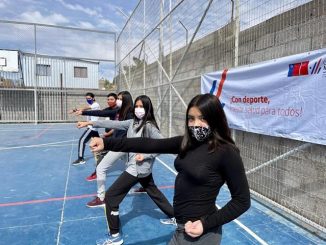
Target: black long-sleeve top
(200, 176)
(107, 112)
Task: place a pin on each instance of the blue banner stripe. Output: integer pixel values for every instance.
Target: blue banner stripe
(213, 87)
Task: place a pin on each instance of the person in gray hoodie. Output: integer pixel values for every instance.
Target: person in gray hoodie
(138, 167)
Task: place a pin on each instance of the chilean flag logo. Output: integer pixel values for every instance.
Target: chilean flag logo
(217, 91)
(302, 68)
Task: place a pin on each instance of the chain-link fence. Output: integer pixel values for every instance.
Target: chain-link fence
(166, 45)
(46, 70)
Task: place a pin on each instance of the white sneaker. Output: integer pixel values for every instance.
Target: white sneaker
(169, 221)
(110, 240)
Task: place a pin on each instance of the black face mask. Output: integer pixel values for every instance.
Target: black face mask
(200, 133)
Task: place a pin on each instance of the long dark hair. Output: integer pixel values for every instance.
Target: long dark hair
(212, 111)
(127, 105)
(149, 112)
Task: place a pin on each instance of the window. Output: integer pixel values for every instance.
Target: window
(80, 72)
(43, 70)
(3, 61)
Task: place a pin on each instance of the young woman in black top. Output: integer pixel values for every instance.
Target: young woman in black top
(207, 158)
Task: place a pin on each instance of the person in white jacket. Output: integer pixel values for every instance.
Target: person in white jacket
(90, 131)
(138, 167)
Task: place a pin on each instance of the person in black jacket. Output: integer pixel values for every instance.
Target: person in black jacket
(207, 159)
(119, 109)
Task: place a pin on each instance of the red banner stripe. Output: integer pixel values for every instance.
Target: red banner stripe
(220, 86)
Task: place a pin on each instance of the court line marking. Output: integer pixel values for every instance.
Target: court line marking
(65, 196)
(31, 125)
(38, 135)
(38, 145)
(46, 146)
(54, 199)
(41, 133)
(45, 200)
(167, 166)
(49, 223)
(249, 231)
(24, 226)
(36, 129)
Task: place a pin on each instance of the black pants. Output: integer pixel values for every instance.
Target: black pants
(212, 236)
(84, 138)
(120, 188)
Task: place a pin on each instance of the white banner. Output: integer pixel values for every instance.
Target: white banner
(285, 97)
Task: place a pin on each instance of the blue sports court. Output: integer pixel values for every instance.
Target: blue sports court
(43, 197)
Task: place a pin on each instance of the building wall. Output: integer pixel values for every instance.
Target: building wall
(62, 73)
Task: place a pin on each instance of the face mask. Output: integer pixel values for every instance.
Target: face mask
(139, 112)
(119, 103)
(200, 133)
(89, 101)
(112, 104)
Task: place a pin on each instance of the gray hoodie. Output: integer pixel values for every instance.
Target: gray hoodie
(140, 169)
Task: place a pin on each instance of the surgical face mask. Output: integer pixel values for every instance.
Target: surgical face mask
(200, 133)
(89, 101)
(139, 112)
(119, 103)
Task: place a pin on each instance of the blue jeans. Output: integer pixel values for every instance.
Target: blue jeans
(211, 237)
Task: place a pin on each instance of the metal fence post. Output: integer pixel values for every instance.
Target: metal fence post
(35, 79)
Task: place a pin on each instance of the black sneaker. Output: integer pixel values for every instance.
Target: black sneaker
(79, 161)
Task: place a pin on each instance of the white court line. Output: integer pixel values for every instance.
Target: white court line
(35, 129)
(250, 232)
(167, 166)
(26, 226)
(86, 218)
(49, 223)
(47, 146)
(31, 146)
(64, 197)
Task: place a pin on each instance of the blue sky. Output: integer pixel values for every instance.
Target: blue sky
(93, 14)
(105, 15)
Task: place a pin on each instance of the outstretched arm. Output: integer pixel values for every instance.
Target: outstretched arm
(140, 145)
(122, 125)
(101, 113)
